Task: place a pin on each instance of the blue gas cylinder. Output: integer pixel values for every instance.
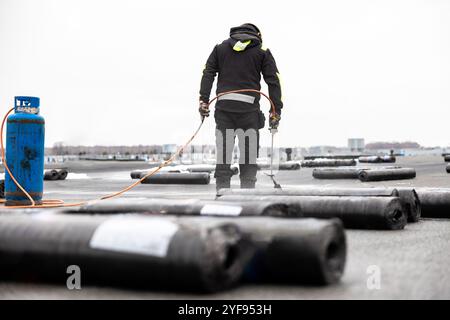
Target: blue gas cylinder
(25, 152)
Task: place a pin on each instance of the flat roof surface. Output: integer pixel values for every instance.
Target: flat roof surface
(413, 262)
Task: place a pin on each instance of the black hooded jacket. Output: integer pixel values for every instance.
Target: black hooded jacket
(239, 62)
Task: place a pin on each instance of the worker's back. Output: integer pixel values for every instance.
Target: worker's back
(239, 62)
(239, 69)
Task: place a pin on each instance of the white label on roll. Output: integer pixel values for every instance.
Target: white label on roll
(146, 236)
(220, 210)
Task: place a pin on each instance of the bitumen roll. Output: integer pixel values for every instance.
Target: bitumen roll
(377, 159)
(133, 251)
(201, 168)
(274, 207)
(408, 197)
(336, 173)
(313, 191)
(51, 175)
(448, 168)
(411, 203)
(328, 163)
(135, 174)
(447, 158)
(178, 178)
(387, 174)
(289, 165)
(379, 213)
(293, 251)
(434, 202)
(370, 159)
(344, 172)
(388, 159)
(62, 174)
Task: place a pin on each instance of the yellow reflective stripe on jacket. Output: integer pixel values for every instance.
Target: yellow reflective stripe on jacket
(240, 46)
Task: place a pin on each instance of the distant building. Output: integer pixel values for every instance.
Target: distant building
(169, 148)
(356, 144)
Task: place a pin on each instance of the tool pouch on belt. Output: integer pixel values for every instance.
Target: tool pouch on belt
(262, 119)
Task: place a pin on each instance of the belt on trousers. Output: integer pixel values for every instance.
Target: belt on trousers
(237, 97)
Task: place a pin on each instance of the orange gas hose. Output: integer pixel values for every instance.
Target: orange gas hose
(55, 203)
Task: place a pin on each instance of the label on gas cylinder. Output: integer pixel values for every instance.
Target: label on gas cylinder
(146, 236)
(220, 210)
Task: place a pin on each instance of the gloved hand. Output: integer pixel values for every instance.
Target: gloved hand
(274, 121)
(203, 109)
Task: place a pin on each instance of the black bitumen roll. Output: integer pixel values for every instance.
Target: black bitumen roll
(344, 172)
(328, 163)
(377, 159)
(379, 213)
(190, 207)
(408, 197)
(178, 178)
(201, 168)
(62, 174)
(133, 251)
(370, 159)
(389, 159)
(336, 173)
(447, 158)
(434, 202)
(387, 174)
(51, 175)
(289, 165)
(411, 203)
(136, 174)
(448, 168)
(313, 191)
(293, 251)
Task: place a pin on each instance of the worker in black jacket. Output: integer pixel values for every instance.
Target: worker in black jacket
(239, 62)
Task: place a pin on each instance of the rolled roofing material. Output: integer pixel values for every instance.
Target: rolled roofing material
(51, 175)
(447, 158)
(178, 178)
(336, 173)
(313, 191)
(135, 174)
(388, 159)
(293, 251)
(411, 203)
(62, 174)
(370, 159)
(387, 174)
(274, 207)
(328, 163)
(383, 213)
(434, 202)
(201, 168)
(408, 196)
(289, 165)
(448, 168)
(133, 251)
(377, 159)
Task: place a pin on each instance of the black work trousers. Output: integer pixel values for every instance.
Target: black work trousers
(245, 126)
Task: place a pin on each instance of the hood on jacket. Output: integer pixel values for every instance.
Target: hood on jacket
(245, 36)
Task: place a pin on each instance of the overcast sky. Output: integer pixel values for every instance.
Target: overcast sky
(128, 72)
